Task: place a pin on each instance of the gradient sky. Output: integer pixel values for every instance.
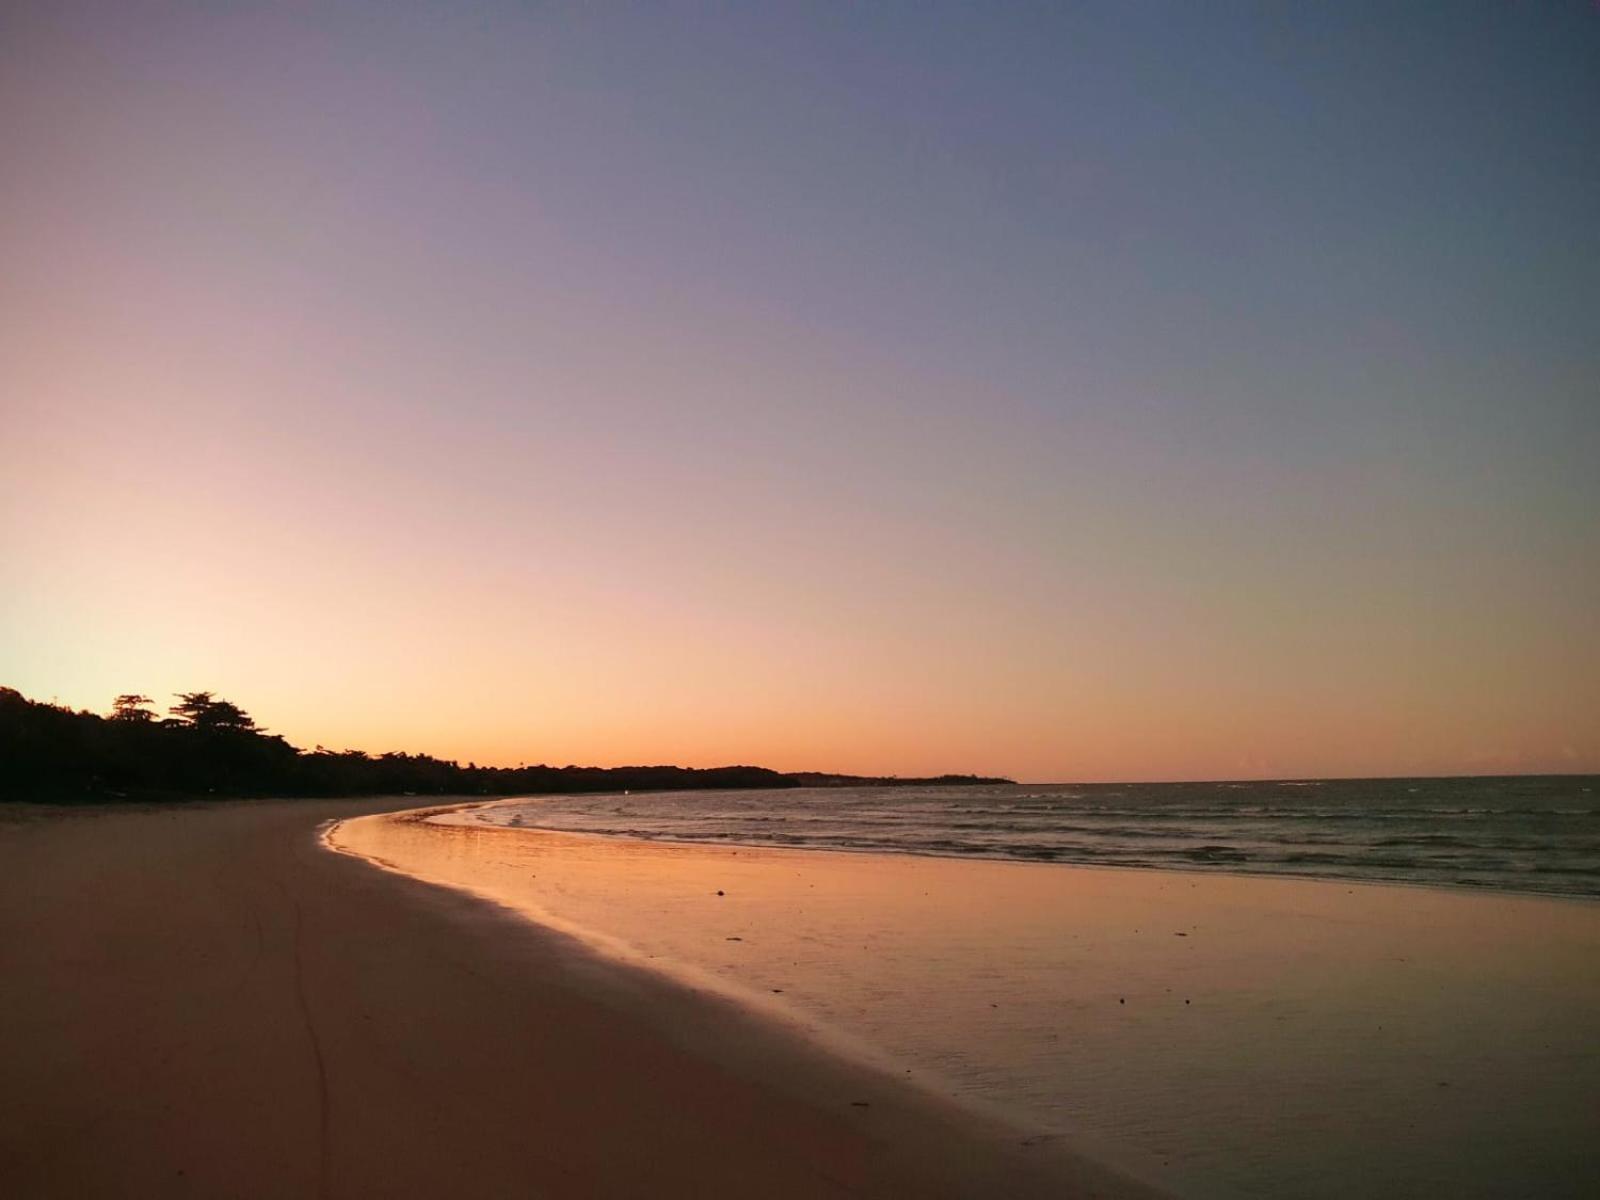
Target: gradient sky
(1067, 391)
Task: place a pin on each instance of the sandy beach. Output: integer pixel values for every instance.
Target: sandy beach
(764, 601)
(204, 1001)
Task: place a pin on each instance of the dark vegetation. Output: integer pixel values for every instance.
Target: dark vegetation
(208, 746)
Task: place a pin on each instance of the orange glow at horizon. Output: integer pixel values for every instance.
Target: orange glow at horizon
(366, 604)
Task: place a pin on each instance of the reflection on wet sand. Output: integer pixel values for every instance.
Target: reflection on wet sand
(1250, 1035)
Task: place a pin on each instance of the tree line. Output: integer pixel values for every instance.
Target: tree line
(208, 746)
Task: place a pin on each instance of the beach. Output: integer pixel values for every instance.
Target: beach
(781, 601)
(202, 1000)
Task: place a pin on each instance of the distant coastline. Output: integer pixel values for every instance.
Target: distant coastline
(211, 748)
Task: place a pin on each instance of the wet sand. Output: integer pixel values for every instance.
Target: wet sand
(204, 1001)
(1233, 1035)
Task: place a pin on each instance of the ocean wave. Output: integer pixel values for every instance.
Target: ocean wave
(1515, 835)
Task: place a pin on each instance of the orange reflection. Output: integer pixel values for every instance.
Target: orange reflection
(1211, 1020)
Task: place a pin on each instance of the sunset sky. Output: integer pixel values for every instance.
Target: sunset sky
(1111, 391)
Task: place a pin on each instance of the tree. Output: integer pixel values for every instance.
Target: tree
(203, 711)
(130, 706)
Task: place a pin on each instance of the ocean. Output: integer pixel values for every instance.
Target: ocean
(1516, 834)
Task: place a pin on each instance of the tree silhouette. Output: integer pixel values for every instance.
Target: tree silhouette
(203, 711)
(130, 706)
(213, 748)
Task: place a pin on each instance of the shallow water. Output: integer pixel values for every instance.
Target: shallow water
(1240, 1036)
(1531, 834)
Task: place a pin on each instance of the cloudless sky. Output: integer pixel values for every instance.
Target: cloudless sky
(1071, 391)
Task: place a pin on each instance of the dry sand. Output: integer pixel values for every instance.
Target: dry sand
(205, 1001)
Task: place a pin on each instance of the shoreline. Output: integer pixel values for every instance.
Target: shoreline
(216, 1004)
(1328, 1004)
(1453, 889)
(781, 1019)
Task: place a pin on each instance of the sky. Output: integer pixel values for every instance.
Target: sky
(1064, 391)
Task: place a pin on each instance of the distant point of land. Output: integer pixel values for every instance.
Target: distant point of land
(819, 779)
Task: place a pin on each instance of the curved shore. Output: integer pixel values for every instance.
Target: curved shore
(202, 1000)
(1220, 1034)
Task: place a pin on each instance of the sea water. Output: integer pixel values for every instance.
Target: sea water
(1529, 834)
